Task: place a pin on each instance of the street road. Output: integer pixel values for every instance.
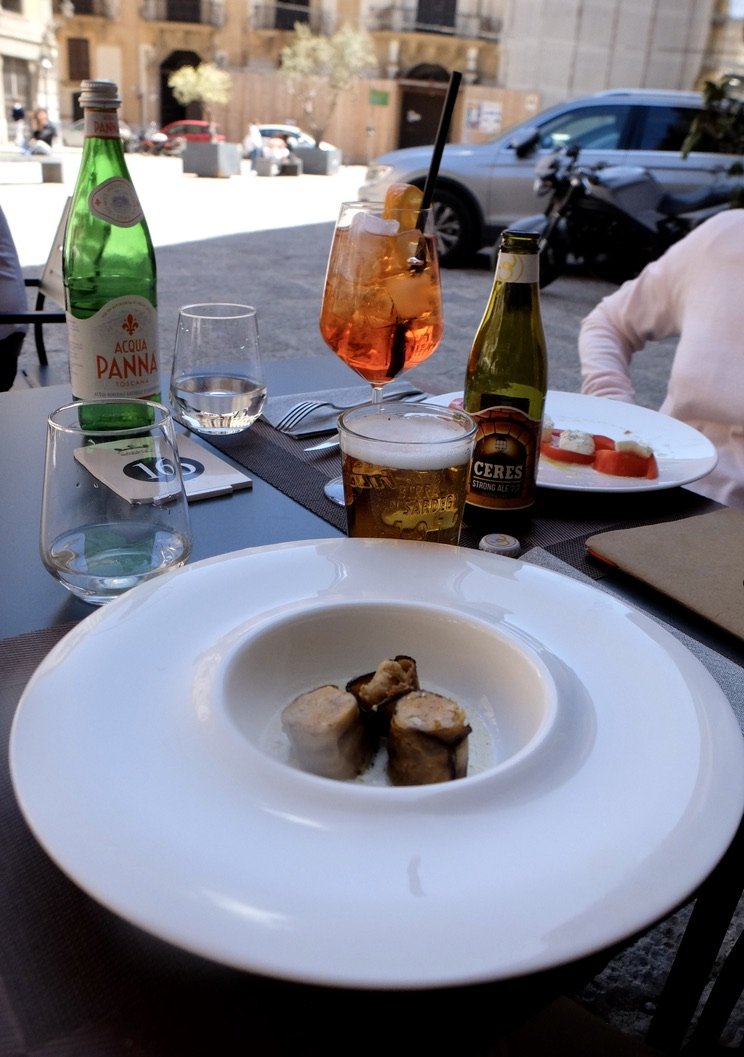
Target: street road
(265, 241)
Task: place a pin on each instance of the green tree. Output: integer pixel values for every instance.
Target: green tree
(720, 124)
(323, 67)
(206, 84)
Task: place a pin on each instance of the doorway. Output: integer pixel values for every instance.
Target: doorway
(170, 108)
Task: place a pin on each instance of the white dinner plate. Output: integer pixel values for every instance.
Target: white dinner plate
(682, 453)
(608, 768)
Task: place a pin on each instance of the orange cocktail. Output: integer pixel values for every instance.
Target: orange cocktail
(382, 303)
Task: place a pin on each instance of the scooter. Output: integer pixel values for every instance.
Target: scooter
(613, 220)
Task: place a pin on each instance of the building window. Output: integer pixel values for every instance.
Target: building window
(436, 16)
(78, 59)
(16, 81)
(183, 10)
(85, 7)
(11, 5)
(289, 13)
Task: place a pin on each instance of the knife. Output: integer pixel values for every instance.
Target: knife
(333, 442)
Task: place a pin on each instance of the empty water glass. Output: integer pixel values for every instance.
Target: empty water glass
(217, 382)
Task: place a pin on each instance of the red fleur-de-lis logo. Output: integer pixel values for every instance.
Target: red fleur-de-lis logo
(130, 324)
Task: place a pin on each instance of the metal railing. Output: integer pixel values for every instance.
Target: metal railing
(201, 12)
(404, 18)
(281, 15)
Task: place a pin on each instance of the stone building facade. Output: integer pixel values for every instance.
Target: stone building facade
(516, 56)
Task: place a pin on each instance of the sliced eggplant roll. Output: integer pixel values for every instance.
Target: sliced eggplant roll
(378, 691)
(326, 733)
(427, 740)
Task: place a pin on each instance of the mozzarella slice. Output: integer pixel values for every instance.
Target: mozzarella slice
(576, 440)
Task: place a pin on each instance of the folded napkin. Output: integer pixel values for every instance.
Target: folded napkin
(698, 561)
(324, 419)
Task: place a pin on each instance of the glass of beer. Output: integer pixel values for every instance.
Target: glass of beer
(405, 470)
(382, 300)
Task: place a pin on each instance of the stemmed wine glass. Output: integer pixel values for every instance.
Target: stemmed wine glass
(382, 301)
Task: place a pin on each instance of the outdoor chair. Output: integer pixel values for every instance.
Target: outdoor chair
(49, 288)
(679, 1026)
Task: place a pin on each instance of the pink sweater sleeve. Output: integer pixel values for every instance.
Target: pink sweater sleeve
(642, 310)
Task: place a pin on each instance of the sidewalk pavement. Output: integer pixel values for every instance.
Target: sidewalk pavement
(265, 241)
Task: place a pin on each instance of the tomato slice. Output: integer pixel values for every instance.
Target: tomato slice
(552, 451)
(625, 464)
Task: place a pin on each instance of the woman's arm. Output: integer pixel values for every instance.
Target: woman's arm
(643, 309)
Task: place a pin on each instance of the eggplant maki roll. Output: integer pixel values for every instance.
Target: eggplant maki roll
(377, 692)
(326, 733)
(427, 740)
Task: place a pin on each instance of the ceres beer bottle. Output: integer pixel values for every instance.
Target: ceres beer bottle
(108, 266)
(505, 387)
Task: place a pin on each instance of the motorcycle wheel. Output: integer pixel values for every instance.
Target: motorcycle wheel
(454, 228)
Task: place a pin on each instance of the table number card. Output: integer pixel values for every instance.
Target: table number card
(137, 472)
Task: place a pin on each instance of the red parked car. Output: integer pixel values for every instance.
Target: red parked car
(179, 133)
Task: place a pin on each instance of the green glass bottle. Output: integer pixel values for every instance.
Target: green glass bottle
(108, 265)
(505, 386)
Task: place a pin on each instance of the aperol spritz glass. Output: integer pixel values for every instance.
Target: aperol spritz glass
(382, 300)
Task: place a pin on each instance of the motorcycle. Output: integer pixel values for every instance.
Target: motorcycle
(612, 220)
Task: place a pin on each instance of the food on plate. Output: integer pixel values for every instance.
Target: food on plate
(376, 692)
(627, 457)
(427, 740)
(546, 431)
(336, 733)
(626, 464)
(326, 733)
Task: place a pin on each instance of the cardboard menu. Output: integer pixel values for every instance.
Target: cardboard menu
(136, 471)
(698, 561)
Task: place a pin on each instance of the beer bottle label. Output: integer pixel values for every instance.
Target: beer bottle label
(504, 464)
(114, 352)
(115, 201)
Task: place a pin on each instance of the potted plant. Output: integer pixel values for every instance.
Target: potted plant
(209, 86)
(321, 68)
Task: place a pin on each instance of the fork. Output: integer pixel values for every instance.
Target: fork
(296, 414)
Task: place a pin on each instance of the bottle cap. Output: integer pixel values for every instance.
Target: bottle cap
(99, 93)
(500, 543)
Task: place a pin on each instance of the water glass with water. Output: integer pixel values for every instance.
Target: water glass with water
(114, 509)
(217, 382)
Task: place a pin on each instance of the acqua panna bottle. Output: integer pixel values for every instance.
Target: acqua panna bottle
(505, 387)
(109, 273)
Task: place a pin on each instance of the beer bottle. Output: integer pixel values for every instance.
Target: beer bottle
(108, 267)
(505, 387)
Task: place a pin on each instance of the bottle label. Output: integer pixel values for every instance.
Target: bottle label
(115, 201)
(518, 267)
(504, 464)
(114, 352)
(103, 124)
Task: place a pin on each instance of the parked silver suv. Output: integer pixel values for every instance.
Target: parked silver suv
(482, 188)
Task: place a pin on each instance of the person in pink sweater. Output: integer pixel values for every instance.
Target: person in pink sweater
(695, 292)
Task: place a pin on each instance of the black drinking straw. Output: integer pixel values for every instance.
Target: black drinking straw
(436, 157)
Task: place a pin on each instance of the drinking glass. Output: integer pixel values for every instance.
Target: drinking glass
(114, 511)
(382, 301)
(405, 470)
(217, 383)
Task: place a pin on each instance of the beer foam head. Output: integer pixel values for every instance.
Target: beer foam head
(421, 438)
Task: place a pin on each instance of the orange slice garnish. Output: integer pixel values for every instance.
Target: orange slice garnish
(403, 202)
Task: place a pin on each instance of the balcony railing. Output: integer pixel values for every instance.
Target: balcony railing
(281, 15)
(399, 18)
(103, 8)
(201, 12)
